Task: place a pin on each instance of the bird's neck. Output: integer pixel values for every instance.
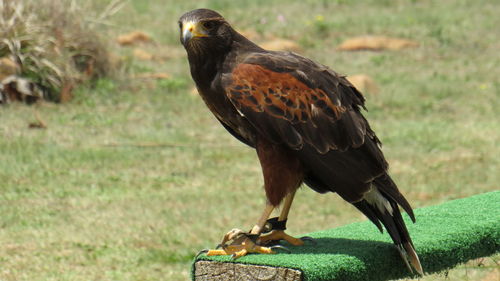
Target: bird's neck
(242, 44)
(206, 64)
(204, 68)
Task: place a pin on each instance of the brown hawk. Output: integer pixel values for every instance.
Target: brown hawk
(305, 122)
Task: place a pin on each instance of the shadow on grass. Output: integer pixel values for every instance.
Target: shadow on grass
(364, 258)
(329, 245)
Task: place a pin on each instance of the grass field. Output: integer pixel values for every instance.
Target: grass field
(133, 177)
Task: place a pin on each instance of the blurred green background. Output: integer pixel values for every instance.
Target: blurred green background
(133, 176)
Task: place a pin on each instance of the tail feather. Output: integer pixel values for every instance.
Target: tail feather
(383, 209)
(413, 258)
(387, 187)
(369, 212)
(404, 257)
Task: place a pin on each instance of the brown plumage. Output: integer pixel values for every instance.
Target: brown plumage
(303, 118)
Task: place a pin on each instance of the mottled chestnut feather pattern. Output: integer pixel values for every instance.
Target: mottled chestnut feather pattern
(278, 94)
(303, 119)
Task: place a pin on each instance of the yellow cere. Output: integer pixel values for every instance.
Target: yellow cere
(193, 28)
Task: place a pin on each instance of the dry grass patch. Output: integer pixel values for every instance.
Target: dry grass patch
(54, 44)
(376, 43)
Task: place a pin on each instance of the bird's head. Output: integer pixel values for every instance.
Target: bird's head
(204, 31)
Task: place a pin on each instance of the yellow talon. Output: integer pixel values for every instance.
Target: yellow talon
(238, 251)
(280, 235)
(216, 253)
(263, 250)
(240, 254)
(239, 247)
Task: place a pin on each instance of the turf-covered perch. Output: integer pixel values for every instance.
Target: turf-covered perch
(445, 235)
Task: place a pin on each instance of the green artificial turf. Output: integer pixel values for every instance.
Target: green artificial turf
(445, 235)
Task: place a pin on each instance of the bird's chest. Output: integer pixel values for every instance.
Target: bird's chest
(218, 104)
(224, 110)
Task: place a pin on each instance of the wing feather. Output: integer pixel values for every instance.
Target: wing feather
(300, 109)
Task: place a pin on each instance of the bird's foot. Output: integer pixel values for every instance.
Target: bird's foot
(278, 235)
(238, 243)
(276, 229)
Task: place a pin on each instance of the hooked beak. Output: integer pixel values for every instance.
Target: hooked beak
(191, 30)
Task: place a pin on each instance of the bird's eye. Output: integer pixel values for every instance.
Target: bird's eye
(180, 25)
(209, 24)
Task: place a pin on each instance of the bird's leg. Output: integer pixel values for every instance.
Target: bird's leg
(243, 243)
(257, 229)
(277, 226)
